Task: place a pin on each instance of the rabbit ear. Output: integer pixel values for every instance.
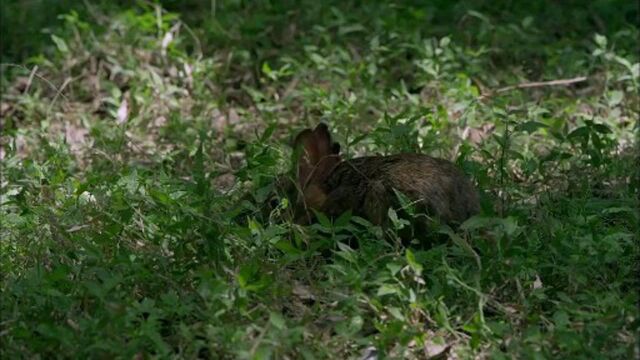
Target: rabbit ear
(328, 152)
(322, 139)
(317, 155)
(306, 153)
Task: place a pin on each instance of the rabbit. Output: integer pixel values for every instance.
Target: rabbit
(365, 185)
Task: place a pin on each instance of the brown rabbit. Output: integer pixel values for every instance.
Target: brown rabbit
(366, 185)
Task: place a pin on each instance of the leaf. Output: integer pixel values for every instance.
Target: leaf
(435, 347)
(537, 283)
(394, 268)
(561, 318)
(531, 126)
(477, 222)
(600, 40)
(161, 197)
(405, 203)
(166, 40)
(350, 327)
(277, 320)
(393, 216)
(266, 69)
(122, 115)
(322, 219)
(527, 21)
(387, 290)
(581, 132)
(319, 60)
(396, 313)
(251, 277)
(597, 143)
(345, 248)
(346, 252)
(602, 128)
(351, 28)
(411, 260)
(510, 225)
(615, 98)
(285, 246)
(361, 221)
(268, 132)
(343, 220)
(60, 44)
(397, 222)
(458, 240)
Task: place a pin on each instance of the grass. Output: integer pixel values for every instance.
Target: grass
(140, 148)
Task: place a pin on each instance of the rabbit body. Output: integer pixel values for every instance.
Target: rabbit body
(366, 185)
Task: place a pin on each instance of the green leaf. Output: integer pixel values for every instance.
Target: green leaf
(615, 98)
(322, 219)
(394, 268)
(351, 28)
(396, 313)
(161, 197)
(397, 222)
(60, 44)
(602, 128)
(531, 126)
(277, 320)
(343, 220)
(581, 132)
(600, 40)
(266, 69)
(351, 327)
(387, 290)
(268, 132)
(411, 260)
(477, 222)
(405, 203)
(285, 246)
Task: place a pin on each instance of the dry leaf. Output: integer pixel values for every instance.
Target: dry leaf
(123, 112)
(433, 350)
(537, 284)
(303, 292)
(370, 353)
(166, 40)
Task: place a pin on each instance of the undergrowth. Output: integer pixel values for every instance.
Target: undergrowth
(140, 218)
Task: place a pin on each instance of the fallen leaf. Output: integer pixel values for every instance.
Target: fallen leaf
(537, 283)
(303, 292)
(370, 353)
(123, 112)
(434, 350)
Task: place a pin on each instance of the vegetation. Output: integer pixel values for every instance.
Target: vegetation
(140, 145)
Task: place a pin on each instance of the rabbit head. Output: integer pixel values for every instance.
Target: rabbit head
(317, 156)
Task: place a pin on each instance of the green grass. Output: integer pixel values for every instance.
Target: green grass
(138, 181)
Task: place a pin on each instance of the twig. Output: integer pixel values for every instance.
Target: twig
(38, 76)
(59, 93)
(33, 73)
(534, 85)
